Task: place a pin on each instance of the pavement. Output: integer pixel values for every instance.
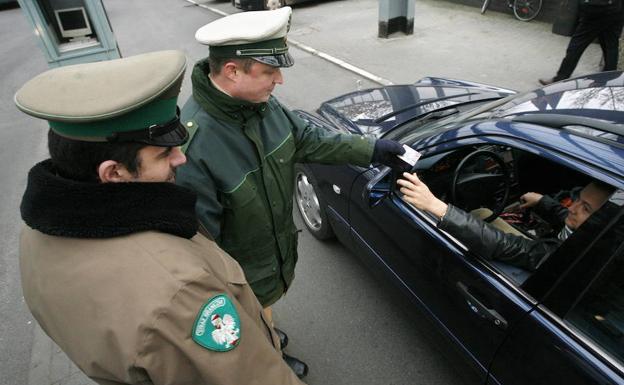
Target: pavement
(449, 40)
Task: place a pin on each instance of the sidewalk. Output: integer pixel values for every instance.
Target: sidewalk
(449, 40)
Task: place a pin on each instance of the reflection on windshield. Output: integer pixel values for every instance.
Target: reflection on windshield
(607, 99)
(378, 110)
(602, 92)
(405, 134)
(365, 106)
(597, 96)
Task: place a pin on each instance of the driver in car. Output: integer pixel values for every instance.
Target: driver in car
(493, 243)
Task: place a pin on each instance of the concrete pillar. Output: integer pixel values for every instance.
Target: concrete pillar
(396, 16)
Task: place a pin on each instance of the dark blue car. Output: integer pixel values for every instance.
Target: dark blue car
(483, 147)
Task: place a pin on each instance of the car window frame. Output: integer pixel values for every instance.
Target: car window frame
(435, 147)
(567, 291)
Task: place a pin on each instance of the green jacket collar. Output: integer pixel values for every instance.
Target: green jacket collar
(220, 105)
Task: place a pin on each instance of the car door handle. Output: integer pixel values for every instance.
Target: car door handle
(480, 309)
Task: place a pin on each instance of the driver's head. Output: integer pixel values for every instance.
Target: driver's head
(590, 199)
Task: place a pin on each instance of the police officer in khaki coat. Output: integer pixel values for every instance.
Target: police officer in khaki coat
(112, 267)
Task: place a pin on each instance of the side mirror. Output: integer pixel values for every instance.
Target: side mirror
(379, 188)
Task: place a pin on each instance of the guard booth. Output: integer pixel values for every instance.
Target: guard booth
(71, 31)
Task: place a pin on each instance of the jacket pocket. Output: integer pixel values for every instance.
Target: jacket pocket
(280, 164)
(240, 197)
(257, 262)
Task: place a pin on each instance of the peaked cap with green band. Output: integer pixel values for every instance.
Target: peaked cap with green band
(133, 99)
(260, 35)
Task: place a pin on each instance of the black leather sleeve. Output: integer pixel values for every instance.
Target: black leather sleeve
(491, 243)
(551, 211)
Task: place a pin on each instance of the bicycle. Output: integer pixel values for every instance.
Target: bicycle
(524, 10)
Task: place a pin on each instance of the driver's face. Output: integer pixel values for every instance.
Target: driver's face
(590, 199)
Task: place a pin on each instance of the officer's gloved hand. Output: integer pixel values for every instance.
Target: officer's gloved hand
(386, 152)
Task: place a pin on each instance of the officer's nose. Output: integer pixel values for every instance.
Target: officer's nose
(177, 157)
(277, 77)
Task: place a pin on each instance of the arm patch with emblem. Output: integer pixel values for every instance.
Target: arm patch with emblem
(218, 325)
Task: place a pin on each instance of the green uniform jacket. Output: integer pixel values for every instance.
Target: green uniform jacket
(241, 163)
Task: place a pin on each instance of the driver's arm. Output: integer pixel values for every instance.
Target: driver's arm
(492, 243)
(477, 235)
(552, 211)
(530, 199)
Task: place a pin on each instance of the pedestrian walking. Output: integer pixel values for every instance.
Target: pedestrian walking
(112, 266)
(598, 19)
(245, 144)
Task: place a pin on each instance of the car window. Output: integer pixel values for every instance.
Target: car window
(488, 182)
(599, 312)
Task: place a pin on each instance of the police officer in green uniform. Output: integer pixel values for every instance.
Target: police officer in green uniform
(112, 266)
(245, 144)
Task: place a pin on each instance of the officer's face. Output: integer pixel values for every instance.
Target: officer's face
(158, 164)
(257, 85)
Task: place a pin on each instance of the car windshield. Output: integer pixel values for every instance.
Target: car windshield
(407, 133)
(588, 97)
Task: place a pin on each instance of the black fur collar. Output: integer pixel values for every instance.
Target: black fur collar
(58, 206)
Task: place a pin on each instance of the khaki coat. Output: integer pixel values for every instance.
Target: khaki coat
(123, 309)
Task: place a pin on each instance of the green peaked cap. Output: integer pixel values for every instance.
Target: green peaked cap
(133, 99)
(259, 35)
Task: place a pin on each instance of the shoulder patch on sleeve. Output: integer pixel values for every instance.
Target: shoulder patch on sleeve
(217, 326)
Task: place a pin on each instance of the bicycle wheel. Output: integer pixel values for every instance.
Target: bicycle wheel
(484, 7)
(526, 10)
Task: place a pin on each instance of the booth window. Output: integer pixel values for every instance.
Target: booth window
(69, 23)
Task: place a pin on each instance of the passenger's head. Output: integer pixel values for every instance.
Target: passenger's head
(112, 121)
(590, 199)
(247, 51)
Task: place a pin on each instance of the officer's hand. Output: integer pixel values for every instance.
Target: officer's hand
(386, 152)
(418, 194)
(529, 199)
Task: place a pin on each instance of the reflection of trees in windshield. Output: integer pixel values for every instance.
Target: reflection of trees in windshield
(606, 99)
(365, 111)
(609, 98)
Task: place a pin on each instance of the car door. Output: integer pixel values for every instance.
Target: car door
(470, 299)
(576, 334)
(471, 302)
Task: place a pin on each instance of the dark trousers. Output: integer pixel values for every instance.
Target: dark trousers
(608, 33)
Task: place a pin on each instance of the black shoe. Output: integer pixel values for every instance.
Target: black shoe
(283, 338)
(546, 81)
(299, 367)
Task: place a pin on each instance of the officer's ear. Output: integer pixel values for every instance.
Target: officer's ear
(231, 70)
(111, 171)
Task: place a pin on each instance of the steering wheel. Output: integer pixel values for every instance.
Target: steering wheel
(473, 188)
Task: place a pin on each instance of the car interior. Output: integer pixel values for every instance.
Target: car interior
(488, 181)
